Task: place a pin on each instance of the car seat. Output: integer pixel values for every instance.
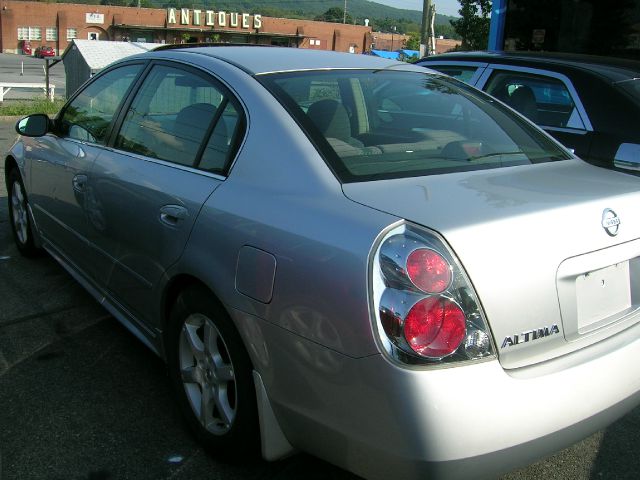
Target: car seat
(523, 101)
(332, 120)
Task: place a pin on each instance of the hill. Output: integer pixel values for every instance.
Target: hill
(307, 9)
(358, 9)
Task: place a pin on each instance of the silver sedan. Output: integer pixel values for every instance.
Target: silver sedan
(343, 255)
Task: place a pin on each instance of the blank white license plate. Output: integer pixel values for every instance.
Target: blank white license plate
(602, 293)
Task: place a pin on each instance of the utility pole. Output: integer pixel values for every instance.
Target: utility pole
(424, 29)
(344, 12)
(432, 30)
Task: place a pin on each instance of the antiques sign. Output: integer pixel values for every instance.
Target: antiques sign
(210, 18)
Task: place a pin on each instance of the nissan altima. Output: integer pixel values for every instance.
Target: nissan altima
(343, 255)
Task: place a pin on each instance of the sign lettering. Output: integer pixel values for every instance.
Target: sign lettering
(94, 18)
(210, 18)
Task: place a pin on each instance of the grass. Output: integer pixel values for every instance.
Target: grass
(27, 107)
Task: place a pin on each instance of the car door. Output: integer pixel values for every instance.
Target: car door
(172, 149)
(62, 202)
(547, 98)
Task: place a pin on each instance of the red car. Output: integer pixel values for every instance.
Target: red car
(45, 51)
(26, 47)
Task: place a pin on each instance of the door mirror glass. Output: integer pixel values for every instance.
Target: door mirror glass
(35, 125)
(628, 156)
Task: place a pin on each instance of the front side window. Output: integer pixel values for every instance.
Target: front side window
(72, 33)
(88, 116)
(184, 118)
(389, 124)
(543, 100)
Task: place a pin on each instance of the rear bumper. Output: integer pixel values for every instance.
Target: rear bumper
(491, 464)
(383, 421)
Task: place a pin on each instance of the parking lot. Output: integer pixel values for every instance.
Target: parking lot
(25, 69)
(80, 397)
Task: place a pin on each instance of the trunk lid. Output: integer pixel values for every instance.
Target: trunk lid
(551, 278)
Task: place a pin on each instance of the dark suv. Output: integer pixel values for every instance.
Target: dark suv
(590, 104)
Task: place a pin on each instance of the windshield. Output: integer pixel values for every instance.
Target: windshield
(373, 124)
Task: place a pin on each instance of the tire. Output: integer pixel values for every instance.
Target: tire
(19, 218)
(212, 379)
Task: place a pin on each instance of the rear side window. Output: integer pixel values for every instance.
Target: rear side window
(464, 74)
(387, 124)
(543, 100)
(182, 117)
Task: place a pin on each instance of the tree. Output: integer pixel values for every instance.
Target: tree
(414, 41)
(473, 24)
(335, 15)
(447, 31)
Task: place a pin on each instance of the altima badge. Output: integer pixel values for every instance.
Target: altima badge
(610, 222)
(535, 334)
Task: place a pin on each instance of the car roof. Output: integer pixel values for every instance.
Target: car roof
(615, 69)
(257, 60)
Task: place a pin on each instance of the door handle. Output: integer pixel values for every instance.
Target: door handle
(172, 214)
(79, 183)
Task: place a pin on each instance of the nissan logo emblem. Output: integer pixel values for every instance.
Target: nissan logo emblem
(610, 222)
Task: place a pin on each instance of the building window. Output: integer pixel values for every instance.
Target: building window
(29, 33)
(279, 41)
(52, 34)
(72, 33)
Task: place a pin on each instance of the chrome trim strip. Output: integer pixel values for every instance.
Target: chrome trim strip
(167, 163)
(574, 131)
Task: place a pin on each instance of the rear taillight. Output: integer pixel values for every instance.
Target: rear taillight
(428, 270)
(434, 327)
(426, 310)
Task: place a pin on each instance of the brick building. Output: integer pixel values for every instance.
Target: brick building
(389, 41)
(392, 42)
(56, 24)
(444, 45)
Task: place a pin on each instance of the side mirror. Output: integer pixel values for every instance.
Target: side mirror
(35, 125)
(628, 157)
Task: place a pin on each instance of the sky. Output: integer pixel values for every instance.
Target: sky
(446, 7)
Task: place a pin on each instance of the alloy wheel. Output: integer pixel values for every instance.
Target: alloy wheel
(207, 374)
(19, 213)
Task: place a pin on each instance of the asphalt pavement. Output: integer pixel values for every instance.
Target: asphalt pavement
(81, 398)
(26, 69)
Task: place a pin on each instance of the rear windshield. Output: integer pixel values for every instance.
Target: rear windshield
(373, 124)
